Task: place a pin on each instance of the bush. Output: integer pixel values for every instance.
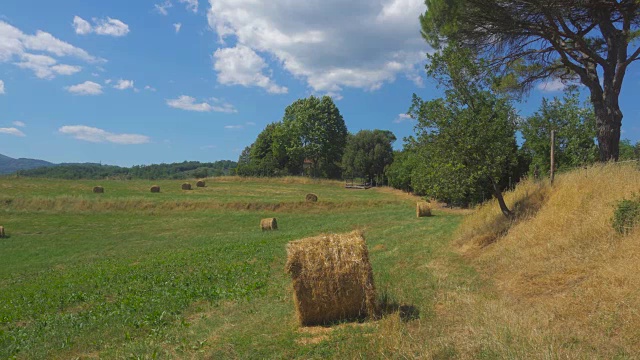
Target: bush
(627, 215)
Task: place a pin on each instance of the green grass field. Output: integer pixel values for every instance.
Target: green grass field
(130, 274)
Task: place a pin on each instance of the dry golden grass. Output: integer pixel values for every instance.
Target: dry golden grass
(560, 265)
(332, 278)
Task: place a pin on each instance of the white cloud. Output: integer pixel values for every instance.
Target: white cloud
(19, 124)
(402, 118)
(86, 88)
(177, 26)
(108, 26)
(16, 45)
(150, 88)
(12, 131)
(162, 8)
(123, 84)
(191, 4)
(96, 135)
(82, 26)
(45, 67)
(188, 103)
(239, 126)
(551, 85)
(2, 87)
(241, 65)
(324, 42)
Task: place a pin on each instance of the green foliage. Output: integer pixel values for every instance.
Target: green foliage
(575, 132)
(399, 172)
(183, 170)
(628, 151)
(314, 129)
(262, 158)
(626, 215)
(464, 142)
(368, 153)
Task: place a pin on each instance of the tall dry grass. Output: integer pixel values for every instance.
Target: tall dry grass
(560, 266)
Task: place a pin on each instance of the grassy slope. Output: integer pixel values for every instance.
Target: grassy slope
(570, 278)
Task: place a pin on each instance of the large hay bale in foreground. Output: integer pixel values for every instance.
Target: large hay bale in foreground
(332, 278)
(312, 197)
(98, 190)
(2, 232)
(423, 209)
(200, 183)
(155, 189)
(269, 224)
(186, 186)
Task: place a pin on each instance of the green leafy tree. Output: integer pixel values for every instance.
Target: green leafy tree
(575, 132)
(592, 41)
(629, 151)
(465, 140)
(368, 153)
(313, 129)
(399, 171)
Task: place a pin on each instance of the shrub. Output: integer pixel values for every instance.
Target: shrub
(627, 215)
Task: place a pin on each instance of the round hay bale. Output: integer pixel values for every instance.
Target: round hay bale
(423, 209)
(98, 190)
(332, 278)
(186, 186)
(2, 232)
(200, 183)
(269, 224)
(155, 189)
(311, 197)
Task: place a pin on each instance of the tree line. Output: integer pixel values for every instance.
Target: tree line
(183, 170)
(312, 140)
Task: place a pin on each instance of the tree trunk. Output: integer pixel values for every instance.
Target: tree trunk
(608, 124)
(503, 206)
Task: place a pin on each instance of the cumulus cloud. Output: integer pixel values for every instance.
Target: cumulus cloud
(402, 118)
(2, 87)
(12, 131)
(552, 85)
(324, 41)
(189, 103)
(96, 135)
(19, 48)
(81, 26)
(19, 124)
(150, 88)
(191, 4)
(86, 88)
(162, 7)
(241, 65)
(108, 26)
(177, 26)
(123, 84)
(46, 67)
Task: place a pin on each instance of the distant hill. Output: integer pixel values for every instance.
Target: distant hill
(183, 170)
(10, 165)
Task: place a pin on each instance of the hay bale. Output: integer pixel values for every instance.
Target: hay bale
(98, 190)
(186, 186)
(268, 224)
(423, 209)
(312, 198)
(200, 183)
(2, 232)
(155, 189)
(332, 278)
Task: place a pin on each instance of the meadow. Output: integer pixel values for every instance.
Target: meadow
(189, 274)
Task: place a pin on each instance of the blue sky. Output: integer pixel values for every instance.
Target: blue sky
(140, 82)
